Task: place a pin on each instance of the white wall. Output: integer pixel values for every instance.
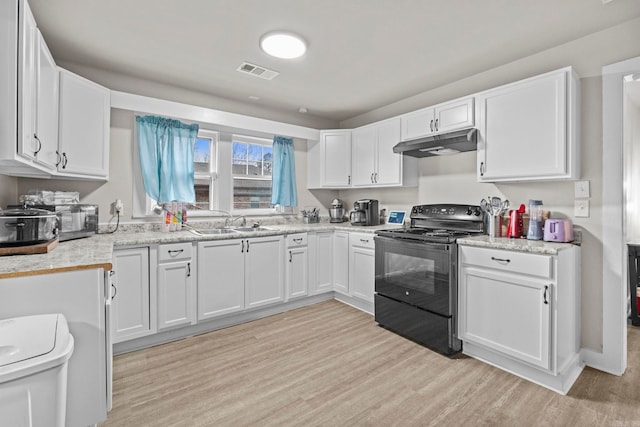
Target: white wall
(9, 190)
(632, 162)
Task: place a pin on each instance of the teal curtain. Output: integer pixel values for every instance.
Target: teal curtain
(283, 180)
(166, 149)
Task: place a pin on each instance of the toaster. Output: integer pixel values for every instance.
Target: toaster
(558, 230)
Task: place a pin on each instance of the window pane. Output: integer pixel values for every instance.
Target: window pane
(239, 167)
(255, 152)
(203, 192)
(202, 155)
(239, 150)
(251, 193)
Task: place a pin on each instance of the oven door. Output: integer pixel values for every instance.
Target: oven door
(418, 273)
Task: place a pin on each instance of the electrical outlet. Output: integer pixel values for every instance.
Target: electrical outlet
(582, 190)
(581, 208)
(119, 207)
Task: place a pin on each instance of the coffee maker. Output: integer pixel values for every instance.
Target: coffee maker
(365, 212)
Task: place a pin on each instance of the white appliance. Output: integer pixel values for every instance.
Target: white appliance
(34, 354)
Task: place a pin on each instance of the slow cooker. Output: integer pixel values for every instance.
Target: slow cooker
(21, 227)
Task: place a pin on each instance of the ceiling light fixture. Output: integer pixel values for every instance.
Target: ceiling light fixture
(283, 45)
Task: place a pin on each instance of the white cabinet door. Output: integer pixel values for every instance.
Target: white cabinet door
(527, 130)
(418, 124)
(85, 110)
(454, 115)
(341, 262)
(28, 145)
(297, 272)
(220, 278)
(264, 278)
(364, 149)
(130, 305)
(324, 262)
(388, 164)
(506, 313)
(176, 295)
(47, 105)
(335, 158)
(362, 266)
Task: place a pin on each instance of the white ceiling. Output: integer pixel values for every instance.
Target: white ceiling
(363, 54)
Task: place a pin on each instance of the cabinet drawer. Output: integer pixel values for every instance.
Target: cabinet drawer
(514, 262)
(174, 251)
(298, 239)
(363, 240)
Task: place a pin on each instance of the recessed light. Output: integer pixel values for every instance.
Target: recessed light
(283, 45)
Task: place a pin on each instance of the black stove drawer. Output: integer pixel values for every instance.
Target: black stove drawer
(431, 330)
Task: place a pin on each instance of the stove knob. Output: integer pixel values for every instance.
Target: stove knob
(477, 212)
(420, 209)
(469, 211)
(414, 210)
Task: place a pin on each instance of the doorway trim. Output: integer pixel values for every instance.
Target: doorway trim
(613, 358)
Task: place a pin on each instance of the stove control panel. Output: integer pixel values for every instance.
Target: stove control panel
(447, 211)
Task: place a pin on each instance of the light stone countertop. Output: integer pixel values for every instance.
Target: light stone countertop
(518, 245)
(97, 251)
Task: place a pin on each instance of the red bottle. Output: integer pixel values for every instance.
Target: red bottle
(516, 223)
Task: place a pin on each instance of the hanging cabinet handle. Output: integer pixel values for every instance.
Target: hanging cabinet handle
(242, 250)
(372, 181)
(376, 177)
(188, 269)
(114, 291)
(247, 246)
(64, 160)
(290, 256)
(546, 289)
(35, 153)
(436, 125)
(349, 179)
(431, 125)
(58, 158)
(482, 168)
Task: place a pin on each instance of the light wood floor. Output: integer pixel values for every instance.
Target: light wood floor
(330, 365)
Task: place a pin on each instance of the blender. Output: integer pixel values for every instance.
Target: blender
(535, 220)
(336, 213)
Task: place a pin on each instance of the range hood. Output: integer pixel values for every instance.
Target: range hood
(439, 145)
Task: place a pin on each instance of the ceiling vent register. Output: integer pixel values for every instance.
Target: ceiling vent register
(257, 71)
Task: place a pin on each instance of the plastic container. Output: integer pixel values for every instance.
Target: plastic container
(34, 354)
(535, 220)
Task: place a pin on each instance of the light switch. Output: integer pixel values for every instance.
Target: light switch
(582, 190)
(581, 208)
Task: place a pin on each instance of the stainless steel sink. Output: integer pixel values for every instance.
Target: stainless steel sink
(247, 229)
(213, 231)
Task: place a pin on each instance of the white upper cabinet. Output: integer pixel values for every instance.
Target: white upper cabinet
(453, 115)
(374, 162)
(335, 160)
(84, 127)
(528, 130)
(38, 94)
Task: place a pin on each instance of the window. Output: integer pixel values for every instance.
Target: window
(205, 162)
(251, 166)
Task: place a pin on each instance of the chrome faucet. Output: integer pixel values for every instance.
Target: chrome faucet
(229, 220)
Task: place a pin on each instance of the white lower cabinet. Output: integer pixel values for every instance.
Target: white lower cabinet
(176, 289)
(297, 265)
(263, 271)
(320, 245)
(220, 277)
(520, 311)
(130, 289)
(238, 274)
(340, 254)
(362, 266)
